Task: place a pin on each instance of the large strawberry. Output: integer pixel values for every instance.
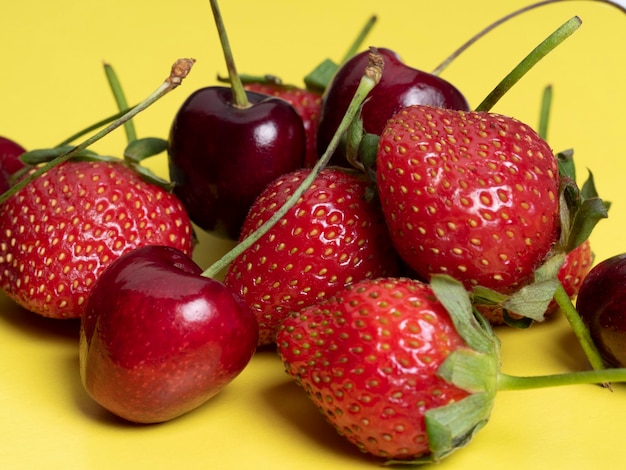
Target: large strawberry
(332, 237)
(470, 194)
(308, 105)
(59, 232)
(373, 359)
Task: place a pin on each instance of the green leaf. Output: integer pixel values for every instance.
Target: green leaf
(152, 178)
(544, 114)
(457, 302)
(321, 76)
(38, 156)
(532, 301)
(565, 161)
(140, 149)
(586, 218)
(453, 426)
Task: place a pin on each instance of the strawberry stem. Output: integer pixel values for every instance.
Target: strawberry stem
(179, 71)
(120, 100)
(507, 382)
(441, 67)
(538, 53)
(239, 92)
(580, 329)
(369, 80)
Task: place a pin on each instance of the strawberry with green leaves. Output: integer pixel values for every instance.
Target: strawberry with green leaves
(474, 195)
(332, 237)
(406, 371)
(371, 360)
(59, 232)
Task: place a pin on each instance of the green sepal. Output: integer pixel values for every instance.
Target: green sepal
(147, 175)
(474, 329)
(319, 78)
(38, 156)
(580, 208)
(147, 147)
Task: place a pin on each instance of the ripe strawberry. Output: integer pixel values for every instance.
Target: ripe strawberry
(332, 237)
(371, 360)
(59, 232)
(571, 275)
(307, 103)
(469, 194)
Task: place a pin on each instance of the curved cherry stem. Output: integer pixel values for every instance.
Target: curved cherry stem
(239, 92)
(179, 71)
(442, 66)
(369, 80)
(547, 45)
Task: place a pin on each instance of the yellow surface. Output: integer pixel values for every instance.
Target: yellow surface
(52, 84)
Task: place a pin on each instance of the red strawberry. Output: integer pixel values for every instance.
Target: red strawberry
(59, 232)
(371, 360)
(307, 103)
(331, 238)
(571, 275)
(469, 194)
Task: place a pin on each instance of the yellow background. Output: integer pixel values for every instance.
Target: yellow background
(52, 84)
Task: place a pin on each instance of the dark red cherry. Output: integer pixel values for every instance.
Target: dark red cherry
(221, 156)
(399, 87)
(158, 339)
(10, 162)
(601, 304)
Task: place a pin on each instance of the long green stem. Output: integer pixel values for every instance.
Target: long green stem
(239, 93)
(367, 83)
(580, 329)
(442, 66)
(179, 71)
(599, 377)
(356, 45)
(546, 46)
(120, 100)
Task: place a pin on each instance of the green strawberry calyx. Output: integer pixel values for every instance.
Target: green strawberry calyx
(476, 368)
(473, 368)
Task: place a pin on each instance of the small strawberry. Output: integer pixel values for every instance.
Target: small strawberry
(308, 105)
(470, 194)
(59, 232)
(332, 237)
(373, 359)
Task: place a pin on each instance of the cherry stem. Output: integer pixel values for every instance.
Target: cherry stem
(239, 92)
(603, 377)
(441, 67)
(94, 126)
(179, 71)
(120, 100)
(369, 80)
(538, 53)
(578, 326)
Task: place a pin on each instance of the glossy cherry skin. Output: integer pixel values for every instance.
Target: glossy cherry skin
(10, 162)
(400, 86)
(601, 304)
(158, 339)
(222, 156)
